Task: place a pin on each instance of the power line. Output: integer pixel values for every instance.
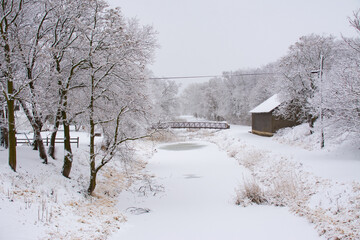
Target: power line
(212, 76)
(184, 77)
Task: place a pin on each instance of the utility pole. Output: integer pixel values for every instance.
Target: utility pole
(322, 143)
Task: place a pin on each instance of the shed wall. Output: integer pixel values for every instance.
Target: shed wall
(262, 122)
(278, 123)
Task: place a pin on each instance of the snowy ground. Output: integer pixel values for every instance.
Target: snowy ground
(37, 202)
(189, 194)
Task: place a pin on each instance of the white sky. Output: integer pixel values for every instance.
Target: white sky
(207, 37)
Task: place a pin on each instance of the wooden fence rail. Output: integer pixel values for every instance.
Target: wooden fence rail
(47, 141)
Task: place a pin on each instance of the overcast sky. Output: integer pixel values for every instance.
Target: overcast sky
(207, 37)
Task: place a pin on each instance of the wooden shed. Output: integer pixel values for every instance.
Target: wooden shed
(264, 123)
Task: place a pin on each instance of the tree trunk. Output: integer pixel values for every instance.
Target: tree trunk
(68, 156)
(35, 143)
(92, 185)
(311, 120)
(92, 140)
(40, 145)
(92, 156)
(37, 132)
(11, 127)
(11, 108)
(51, 150)
(4, 137)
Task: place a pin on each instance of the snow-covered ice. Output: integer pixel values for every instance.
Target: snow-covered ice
(198, 202)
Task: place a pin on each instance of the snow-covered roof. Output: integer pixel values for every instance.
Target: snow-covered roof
(267, 106)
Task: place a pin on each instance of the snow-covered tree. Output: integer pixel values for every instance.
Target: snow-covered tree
(66, 59)
(342, 94)
(165, 100)
(301, 68)
(31, 41)
(10, 12)
(117, 52)
(230, 97)
(189, 99)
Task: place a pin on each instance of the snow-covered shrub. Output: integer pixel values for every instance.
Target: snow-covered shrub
(250, 158)
(280, 188)
(163, 136)
(299, 136)
(250, 192)
(285, 187)
(232, 153)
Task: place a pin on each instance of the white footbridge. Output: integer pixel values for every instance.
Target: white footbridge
(198, 125)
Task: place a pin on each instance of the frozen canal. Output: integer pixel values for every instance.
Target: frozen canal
(199, 184)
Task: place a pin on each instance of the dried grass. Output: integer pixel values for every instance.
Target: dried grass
(165, 135)
(250, 192)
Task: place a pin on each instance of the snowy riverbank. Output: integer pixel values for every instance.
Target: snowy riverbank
(195, 192)
(320, 185)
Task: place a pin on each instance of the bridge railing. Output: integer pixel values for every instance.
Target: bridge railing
(207, 125)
